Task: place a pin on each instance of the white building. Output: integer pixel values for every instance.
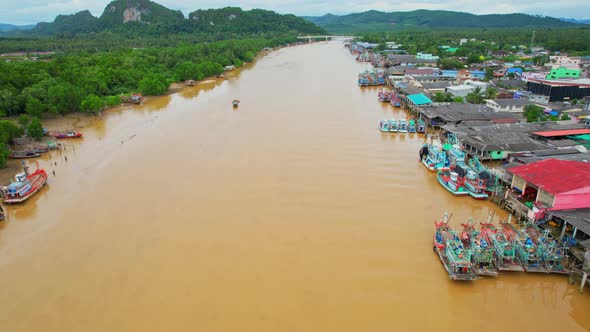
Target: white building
(507, 105)
(426, 56)
(565, 61)
(460, 90)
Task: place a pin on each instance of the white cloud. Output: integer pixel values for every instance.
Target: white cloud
(33, 11)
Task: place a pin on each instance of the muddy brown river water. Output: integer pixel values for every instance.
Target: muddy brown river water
(291, 213)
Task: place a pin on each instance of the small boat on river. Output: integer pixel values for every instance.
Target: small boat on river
(25, 186)
(454, 257)
(235, 103)
(384, 125)
(393, 126)
(67, 134)
(23, 154)
(411, 126)
(421, 126)
(402, 126)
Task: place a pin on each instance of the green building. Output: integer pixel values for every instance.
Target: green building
(562, 72)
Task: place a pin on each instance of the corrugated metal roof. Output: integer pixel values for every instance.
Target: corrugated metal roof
(555, 176)
(579, 218)
(419, 99)
(555, 133)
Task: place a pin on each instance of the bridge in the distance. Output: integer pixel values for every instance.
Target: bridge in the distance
(325, 37)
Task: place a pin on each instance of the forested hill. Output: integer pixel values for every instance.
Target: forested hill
(148, 17)
(376, 20)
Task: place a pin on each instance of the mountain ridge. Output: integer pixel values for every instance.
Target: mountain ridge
(423, 18)
(146, 16)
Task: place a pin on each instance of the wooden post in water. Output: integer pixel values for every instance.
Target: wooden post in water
(583, 283)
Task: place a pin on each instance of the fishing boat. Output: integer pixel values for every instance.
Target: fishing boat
(402, 126)
(434, 158)
(384, 125)
(483, 252)
(23, 154)
(455, 258)
(393, 126)
(25, 186)
(235, 103)
(421, 126)
(505, 248)
(556, 256)
(394, 101)
(67, 134)
(452, 181)
(484, 173)
(532, 251)
(456, 156)
(412, 126)
(476, 186)
(384, 96)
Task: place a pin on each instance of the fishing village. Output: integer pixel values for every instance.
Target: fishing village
(538, 170)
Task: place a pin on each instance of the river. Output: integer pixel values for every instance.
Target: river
(291, 213)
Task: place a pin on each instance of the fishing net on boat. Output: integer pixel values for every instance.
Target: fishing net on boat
(485, 175)
(460, 171)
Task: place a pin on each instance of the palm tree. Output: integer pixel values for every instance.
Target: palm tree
(475, 96)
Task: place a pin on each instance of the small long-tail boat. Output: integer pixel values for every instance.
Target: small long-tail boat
(67, 134)
(455, 258)
(23, 154)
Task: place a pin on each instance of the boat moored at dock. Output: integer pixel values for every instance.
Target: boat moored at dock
(421, 128)
(434, 157)
(454, 257)
(384, 125)
(411, 126)
(452, 181)
(393, 126)
(402, 126)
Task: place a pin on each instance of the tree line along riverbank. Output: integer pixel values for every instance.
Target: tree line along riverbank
(89, 82)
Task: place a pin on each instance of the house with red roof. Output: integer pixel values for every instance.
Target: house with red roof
(551, 185)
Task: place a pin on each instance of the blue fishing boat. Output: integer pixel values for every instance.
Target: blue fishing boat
(393, 126)
(421, 126)
(434, 157)
(384, 126)
(402, 126)
(457, 156)
(412, 126)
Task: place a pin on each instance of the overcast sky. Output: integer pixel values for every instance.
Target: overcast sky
(33, 11)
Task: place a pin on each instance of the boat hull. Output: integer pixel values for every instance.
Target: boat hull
(445, 185)
(38, 180)
(453, 275)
